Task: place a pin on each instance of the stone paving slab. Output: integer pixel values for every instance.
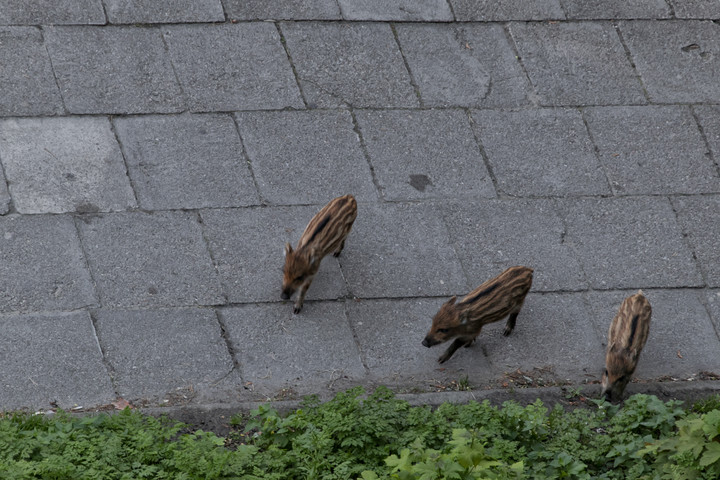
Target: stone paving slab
(400, 11)
(616, 9)
(696, 8)
(247, 247)
(349, 64)
(43, 12)
(51, 359)
(186, 161)
(149, 260)
(652, 150)
(700, 220)
(177, 11)
(64, 164)
(470, 65)
(713, 302)
(540, 152)
(577, 63)
(113, 70)
(232, 67)
(492, 235)
(682, 340)
(503, 10)
(552, 330)
(424, 154)
(26, 76)
(390, 332)
(709, 119)
(305, 157)
(617, 242)
(42, 265)
(285, 10)
(5, 199)
(685, 47)
(277, 349)
(155, 352)
(400, 250)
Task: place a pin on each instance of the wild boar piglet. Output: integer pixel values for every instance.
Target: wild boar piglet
(626, 338)
(490, 302)
(325, 233)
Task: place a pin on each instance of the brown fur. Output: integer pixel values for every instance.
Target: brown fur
(626, 338)
(325, 233)
(492, 301)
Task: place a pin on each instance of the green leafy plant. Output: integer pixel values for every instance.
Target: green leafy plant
(376, 436)
(693, 452)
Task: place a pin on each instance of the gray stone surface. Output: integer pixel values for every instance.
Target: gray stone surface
(44, 12)
(652, 150)
(470, 65)
(389, 333)
(232, 67)
(149, 260)
(577, 63)
(502, 10)
(247, 247)
(540, 152)
(682, 340)
(141, 11)
(26, 76)
(553, 331)
(700, 220)
(356, 64)
(285, 10)
(400, 250)
(305, 157)
(51, 359)
(4, 195)
(42, 265)
(614, 9)
(401, 11)
(684, 47)
(278, 349)
(492, 235)
(186, 161)
(229, 133)
(154, 352)
(64, 164)
(696, 8)
(424, 154)
(712, 298)
(709, 118)
(618, 242)
(113, 70)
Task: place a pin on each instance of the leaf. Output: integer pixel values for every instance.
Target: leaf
(369, 475)
(711, 455)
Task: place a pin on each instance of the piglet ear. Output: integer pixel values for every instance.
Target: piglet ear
(452, 300)
(288, 249)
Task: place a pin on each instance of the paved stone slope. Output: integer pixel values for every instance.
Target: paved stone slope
(156, 156)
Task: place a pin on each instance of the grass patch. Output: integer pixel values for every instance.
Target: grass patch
(377, 436)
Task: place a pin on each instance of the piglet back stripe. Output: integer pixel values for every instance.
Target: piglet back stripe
(633, 328)
(319, 228)
(480, 294)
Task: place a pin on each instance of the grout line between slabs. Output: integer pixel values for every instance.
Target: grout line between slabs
(283, 42)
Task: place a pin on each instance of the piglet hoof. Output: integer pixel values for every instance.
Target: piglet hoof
(443, 359)
(296, 310)
(336, 254)
(507, 331)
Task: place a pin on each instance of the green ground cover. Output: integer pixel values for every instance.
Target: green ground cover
(377, 436)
